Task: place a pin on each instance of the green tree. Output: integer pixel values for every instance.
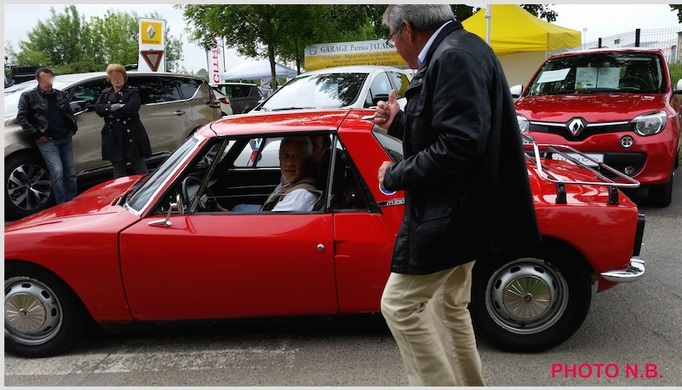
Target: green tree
(112, 35)
(68, 44)
(284, 31)
(60, 41)
(268, 30)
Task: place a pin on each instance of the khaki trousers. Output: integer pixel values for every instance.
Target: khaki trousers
(429, 319)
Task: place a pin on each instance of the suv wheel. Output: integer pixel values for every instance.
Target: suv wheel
(27, 186)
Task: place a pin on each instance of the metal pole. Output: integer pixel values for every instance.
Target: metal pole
(224, 62)
(488, 15)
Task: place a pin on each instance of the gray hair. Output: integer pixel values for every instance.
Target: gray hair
(422, 17)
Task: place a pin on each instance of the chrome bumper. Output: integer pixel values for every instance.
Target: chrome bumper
(632, 273)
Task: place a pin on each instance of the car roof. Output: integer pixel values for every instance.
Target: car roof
(295, 121)
(76, 77)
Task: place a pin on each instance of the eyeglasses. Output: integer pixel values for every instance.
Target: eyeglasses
(389, 41)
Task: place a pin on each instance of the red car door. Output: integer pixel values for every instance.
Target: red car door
(229, 265)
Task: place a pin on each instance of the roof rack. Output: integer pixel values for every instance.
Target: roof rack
(546, 174)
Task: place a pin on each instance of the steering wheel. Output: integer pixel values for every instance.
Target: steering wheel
(632, 83)
(191, 181)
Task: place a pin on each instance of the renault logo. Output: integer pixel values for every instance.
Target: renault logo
(151, 32)
(576, 126)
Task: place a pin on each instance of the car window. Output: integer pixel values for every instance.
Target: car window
(170, 89)
(231, 174)
(600, 72)
(400, 82)
(87, 92)
(378, 90)
(254, 91)
(392, 145)
(146, 190)
(156, 89)
(188, 87)
(147, 87)
(260, 152)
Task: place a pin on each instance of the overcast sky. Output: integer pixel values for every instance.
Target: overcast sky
(599, 19)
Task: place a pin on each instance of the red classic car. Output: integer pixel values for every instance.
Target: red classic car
(155, 248)
(618, 106)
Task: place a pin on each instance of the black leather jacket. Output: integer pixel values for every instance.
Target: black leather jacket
(32, 113)
(467, 193)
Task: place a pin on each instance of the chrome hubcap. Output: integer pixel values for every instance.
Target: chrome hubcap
(33, 314)
(526, 296)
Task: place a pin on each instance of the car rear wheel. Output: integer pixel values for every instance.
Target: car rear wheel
(42, 315)
(27, 186)
(530, 302)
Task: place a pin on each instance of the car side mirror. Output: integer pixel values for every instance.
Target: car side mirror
(516, 90)
(175, 206)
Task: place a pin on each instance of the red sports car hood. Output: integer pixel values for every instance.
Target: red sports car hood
(98, 200)
(594, 107)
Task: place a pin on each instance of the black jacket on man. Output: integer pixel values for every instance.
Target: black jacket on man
(33, 112)
(464, 172)
(123, 135)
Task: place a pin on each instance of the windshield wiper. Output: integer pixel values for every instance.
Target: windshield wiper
(290, 108)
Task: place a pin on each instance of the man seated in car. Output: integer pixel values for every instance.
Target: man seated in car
(296, 190)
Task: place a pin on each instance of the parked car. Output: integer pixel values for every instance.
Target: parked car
(339, 87)
(143, 248)
(619, 106)
(225, 105)
(173, 106)
(243, 97)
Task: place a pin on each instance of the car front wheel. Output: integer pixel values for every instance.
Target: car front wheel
(662, 195)
(530, 302)
(42, 316)
(27, 186)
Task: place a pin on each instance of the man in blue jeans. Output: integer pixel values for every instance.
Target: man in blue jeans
(45, 114)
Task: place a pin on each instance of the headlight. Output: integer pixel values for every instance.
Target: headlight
(650, 124)
(524, 125)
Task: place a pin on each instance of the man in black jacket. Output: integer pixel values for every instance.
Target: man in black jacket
(467, 194)
(45, 114)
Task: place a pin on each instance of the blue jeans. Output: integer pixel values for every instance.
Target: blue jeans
(58, 156)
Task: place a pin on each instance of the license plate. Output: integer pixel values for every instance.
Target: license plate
(594, 156)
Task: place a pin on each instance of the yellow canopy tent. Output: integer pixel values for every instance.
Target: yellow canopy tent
(520, 40)
(513, 30)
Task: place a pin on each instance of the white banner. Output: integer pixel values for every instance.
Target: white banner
(216, 62)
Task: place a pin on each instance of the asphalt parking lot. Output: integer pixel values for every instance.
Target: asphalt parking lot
(632, 337)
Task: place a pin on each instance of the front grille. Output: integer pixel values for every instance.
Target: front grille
(561, 130)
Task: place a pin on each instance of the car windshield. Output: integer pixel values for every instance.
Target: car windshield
(149, 187)
(330, 90)
(600, 72)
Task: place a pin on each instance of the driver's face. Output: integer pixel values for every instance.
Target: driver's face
(292, 162)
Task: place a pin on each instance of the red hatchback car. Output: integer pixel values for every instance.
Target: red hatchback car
(156, 247)
(618, 106)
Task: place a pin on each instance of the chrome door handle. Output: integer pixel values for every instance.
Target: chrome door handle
(179, 112)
